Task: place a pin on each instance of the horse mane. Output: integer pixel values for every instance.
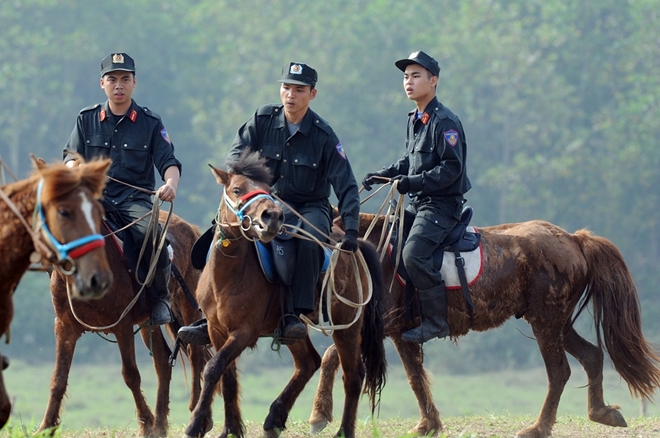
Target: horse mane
(251, 165)
(60, 179)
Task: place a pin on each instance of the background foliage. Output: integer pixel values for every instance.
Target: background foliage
(559, 101)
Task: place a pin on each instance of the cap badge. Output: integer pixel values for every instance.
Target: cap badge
(414, 55)
(296, 69)
(452, 137)
(117, 58)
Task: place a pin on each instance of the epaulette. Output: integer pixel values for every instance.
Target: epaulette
(150, 113)
(89, 108)
(441, 112)
(270, 109)
(320, 122)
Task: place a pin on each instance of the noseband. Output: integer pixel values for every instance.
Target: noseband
(238, 207)
(66, 252)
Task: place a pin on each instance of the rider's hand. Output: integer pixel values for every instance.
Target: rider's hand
(369, 180)
(349, 241)
(167, 192)
(403, 186)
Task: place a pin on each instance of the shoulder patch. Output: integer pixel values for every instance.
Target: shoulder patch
(451, 137)
(165, 135)
(340, 150)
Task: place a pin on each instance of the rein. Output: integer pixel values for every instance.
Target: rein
(152, 229)
(66, 252)
(59, 254)
(328, 288)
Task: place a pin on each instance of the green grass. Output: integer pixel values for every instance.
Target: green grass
(485, 426)
(98, 401)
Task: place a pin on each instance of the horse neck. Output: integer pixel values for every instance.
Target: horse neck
(15, 240)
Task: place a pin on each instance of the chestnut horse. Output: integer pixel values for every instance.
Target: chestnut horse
(241, 305)
(537, 271)
(56, 214)
(101, 315)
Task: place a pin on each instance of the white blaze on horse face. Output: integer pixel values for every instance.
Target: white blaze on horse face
(86, 206)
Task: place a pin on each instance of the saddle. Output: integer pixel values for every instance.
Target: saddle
(460, 239)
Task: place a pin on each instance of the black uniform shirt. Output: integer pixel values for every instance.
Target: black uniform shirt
(305, 164)
(136, 142)
(435, 156)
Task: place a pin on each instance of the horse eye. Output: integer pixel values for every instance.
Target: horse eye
(64, 213)
(237, 191)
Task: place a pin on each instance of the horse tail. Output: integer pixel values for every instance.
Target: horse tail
(372, 348)
(617, 315)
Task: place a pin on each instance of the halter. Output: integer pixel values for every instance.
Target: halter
(243, 202)
(70, 251)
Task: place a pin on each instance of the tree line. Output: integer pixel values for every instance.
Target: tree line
(559, 101)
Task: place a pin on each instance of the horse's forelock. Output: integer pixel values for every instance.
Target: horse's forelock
(59, 180)
(251, 165)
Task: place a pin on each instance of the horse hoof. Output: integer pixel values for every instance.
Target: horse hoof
(272, 433)
(315, 428)
(609, 416)
(533, 432)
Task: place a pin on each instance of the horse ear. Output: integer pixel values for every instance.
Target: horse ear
(37, 163)
(221, 176)
(94, 174)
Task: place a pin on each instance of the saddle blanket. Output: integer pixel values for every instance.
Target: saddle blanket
(449, 271)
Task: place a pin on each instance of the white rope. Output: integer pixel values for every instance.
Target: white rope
(153, 228)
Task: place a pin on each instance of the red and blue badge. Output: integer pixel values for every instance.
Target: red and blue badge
(166, 136)
(451, 137)
(340, 150)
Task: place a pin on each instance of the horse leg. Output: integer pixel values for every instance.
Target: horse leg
(66, 338)
(131, 375)
(306, 361)
(591, 359)
(201, 420)
(197, 358)
(322, 410)
(558, 371)
(411, 357)
(153, 337)
(348, 350)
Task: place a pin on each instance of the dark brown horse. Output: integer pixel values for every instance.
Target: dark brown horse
(55, 213)
(241, 305)
(537, 271)
(108, 310)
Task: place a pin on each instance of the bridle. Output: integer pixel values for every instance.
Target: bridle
(65, 253)
(238, 208)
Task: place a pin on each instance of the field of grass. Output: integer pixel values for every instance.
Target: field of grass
(489, 405)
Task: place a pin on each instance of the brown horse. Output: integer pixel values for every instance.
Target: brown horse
(55, 212)
(241, 305)
(537, 271)
(97, 316)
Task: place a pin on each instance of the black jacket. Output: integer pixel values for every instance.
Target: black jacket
(135, 142)
(304, 165)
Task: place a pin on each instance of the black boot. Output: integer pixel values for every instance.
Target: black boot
(433, 303)
(160, 306)
(196, 333)
(293, 327)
